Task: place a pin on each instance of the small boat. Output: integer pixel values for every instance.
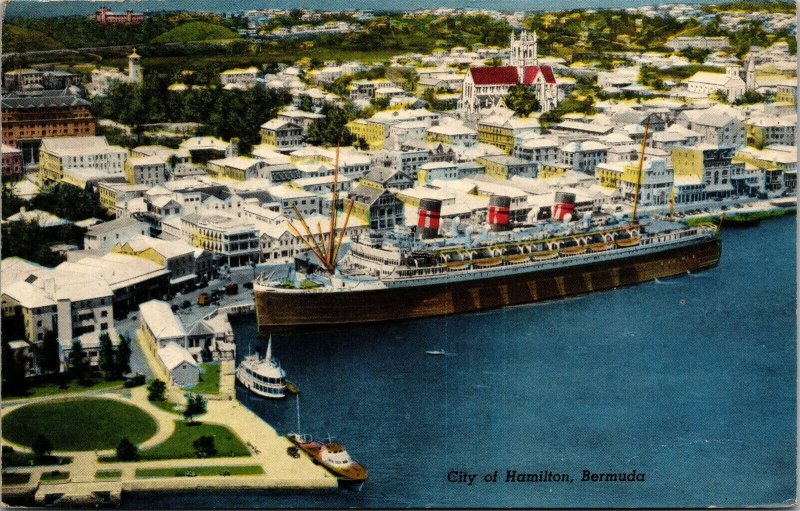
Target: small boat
(334, 457)
(578, 249)
(263, 376)
(458, 265)
(628, 242)
(544, 255)
(489, 262)
(517, 258)
(600, 247)
(331, 455)
(435, 352)
(292, 389)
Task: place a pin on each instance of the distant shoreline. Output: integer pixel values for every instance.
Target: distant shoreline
(56, 8)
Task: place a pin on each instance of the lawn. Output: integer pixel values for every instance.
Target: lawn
(105, 475)
(209, 379)
(168, 406)
(179, 444)
(50, 389)
(55, 475)
(79, 424)
(197, 31)
(244, 470)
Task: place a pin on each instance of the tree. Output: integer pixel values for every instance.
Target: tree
(522, 99)
(156, 390)
(305, 104)
(195, 405)
(204, 447)
(127, 451)
(49, 359)
(42, 447)
(720, 96)
(331, 130)
(122, 358)
(11, 203)
(696, 54)
(107, 357)
(79, 364)
(13, 370)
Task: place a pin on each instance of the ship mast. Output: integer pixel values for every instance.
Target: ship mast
(324, 252)
(639, 169)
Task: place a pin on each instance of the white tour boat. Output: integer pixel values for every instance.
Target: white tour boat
(263, 376)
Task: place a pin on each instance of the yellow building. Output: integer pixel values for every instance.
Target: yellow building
(50, 168)
(496, 135)
(373, 132)
(551, 170)
(688, 162)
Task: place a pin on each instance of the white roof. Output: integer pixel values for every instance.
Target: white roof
(76, 146)
(237, 162)
(117, 270)
(158, 316)
(166, 248)
(172, 355)
(705, 77)
(146, 160)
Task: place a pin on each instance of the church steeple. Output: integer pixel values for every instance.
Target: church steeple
(524, 50)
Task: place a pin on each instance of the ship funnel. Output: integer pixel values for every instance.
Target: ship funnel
(429, 213)
(564, 206)
(499, 212)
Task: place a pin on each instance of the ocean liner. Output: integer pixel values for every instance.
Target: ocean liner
(421, 272)
(418, 274)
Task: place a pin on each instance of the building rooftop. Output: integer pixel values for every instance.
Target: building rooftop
(160, 319)
(172, 355)
(113, 225)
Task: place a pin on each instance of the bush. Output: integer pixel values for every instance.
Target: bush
(127, 451)
(204, 447)
(156, 390)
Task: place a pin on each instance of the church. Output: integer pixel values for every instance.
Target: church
(485, 86)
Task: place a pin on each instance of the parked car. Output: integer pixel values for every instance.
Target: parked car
(203, 299)
(232, 289)
(248, 285)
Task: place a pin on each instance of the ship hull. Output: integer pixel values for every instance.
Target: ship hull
(282, 312)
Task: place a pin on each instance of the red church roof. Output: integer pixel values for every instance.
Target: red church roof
(501, 75)
(507, 75)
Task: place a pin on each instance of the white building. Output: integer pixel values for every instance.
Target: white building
(105, 235)
(239, 78)
(729, 83)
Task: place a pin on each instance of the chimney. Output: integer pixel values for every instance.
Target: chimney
(429, 213)
(564, 206)
(499, 212)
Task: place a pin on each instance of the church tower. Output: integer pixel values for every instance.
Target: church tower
(750, 73)
(135, 67)
(524, 51)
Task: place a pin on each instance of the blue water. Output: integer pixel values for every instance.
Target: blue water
(25, 8)
(690, 381)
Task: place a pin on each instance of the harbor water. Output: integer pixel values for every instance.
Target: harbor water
(689, 381)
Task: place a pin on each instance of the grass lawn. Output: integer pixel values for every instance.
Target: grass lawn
(55, 475)
(245, 470)
(168, 406)
(179, 444)
(79, 424)
(105, 475)
(209, 379)
(50, 389)
(16, 478)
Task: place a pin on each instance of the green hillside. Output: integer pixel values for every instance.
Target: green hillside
(194, 31)
(16, 39)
